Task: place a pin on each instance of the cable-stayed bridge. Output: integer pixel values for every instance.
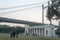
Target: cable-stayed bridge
(19, 21)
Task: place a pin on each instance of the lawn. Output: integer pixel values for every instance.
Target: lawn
(24, 37)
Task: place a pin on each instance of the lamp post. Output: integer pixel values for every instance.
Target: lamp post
(42, 14)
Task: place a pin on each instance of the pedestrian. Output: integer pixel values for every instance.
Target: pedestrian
(14, 34)
(11, 34)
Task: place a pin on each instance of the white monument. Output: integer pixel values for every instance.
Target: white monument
(44, 30)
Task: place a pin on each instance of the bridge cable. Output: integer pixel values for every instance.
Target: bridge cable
(20, 10)
(19, 6)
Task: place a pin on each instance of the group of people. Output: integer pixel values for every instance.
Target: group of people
(13, 34)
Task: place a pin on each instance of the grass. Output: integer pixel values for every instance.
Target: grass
(24, 37)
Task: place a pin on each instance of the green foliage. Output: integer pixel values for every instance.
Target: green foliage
(19, 29)
(50, 13)
(8, 29)
(58, 31)
(53, 11)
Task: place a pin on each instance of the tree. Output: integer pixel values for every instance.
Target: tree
(50, 13)
(53, 11)
(58, 32)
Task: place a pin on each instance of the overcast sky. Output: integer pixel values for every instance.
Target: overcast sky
(32, 14)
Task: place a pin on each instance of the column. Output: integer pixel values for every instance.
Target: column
(32, 30)
(35, 30)
(42, 31)
(39, 31)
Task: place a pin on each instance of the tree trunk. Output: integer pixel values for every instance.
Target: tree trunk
(50, 22)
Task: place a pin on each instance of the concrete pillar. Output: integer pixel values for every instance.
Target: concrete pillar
(54, 32)
(42, 31)
(45, 32)
(31, 31)
(26, 30)
(34, 30)
(39, 31)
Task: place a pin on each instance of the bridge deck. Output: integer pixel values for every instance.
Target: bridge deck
(19, 21)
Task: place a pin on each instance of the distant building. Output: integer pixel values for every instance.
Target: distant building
(43, 30)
